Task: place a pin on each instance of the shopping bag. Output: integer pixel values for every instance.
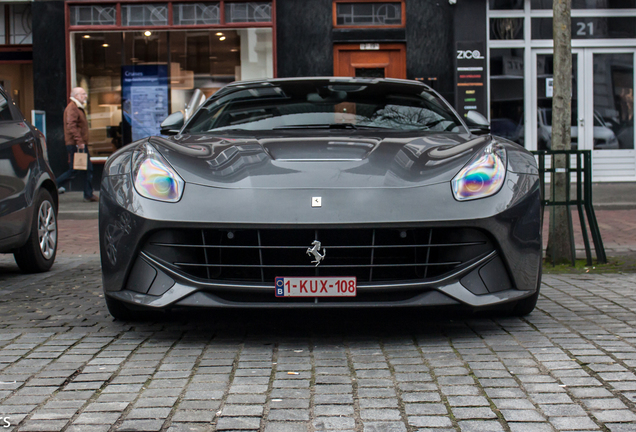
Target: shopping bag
(80, 161)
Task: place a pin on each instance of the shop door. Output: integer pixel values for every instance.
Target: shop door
(609, 112)
(602, 108)
(370, 60)
(541, 122)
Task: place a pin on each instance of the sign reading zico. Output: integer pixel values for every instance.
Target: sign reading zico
(470, 78)
(467, 54)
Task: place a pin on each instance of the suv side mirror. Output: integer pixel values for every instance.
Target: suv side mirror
(477, 123)
(172, 124)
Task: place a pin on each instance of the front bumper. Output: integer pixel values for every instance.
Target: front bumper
(509, 273)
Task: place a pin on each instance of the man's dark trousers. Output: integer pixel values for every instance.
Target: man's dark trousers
(71, 173)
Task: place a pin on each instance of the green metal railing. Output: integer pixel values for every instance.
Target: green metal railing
(582, 199)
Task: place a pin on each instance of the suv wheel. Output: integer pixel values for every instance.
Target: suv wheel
(38, 253)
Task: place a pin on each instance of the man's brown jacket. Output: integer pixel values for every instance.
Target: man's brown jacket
(75, 125)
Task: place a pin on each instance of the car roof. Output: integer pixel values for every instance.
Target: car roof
(323, 80)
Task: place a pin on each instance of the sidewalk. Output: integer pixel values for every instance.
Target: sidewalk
(614, 204)
(73, 206)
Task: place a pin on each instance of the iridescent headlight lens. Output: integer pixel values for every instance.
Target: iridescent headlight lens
(482, 177)
(154, 177)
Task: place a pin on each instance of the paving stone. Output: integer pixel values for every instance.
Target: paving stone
(43, 426)
(141, 426)
(522, 415)
(473, 413)
(615, 416)
(238, 423)
(333, 410)
(530, 427)
(480, 426)
(242, 411)
(193, 416)
(88, 428)
(380, 414)
(337, 423)
(384, 427)
(97, 418)
(288, 415)
(573, 423)
(429, 421)
(567, 410)
(148, 413)
(286, 427)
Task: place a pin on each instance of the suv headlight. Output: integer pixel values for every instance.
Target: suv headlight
(483, 176)
(153, 176)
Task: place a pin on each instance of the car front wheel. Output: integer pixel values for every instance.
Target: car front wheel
(38, 253)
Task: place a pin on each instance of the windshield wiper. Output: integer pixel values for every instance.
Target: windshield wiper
(320, 126)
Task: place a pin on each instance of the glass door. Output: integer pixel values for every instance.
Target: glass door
(540, 133)
(609, 92)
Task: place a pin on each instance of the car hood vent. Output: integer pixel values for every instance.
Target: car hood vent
(319, 150)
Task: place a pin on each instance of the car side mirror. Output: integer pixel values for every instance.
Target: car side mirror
(477, 123)
(172, 124)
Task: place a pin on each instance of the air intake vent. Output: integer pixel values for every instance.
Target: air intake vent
(372, 255)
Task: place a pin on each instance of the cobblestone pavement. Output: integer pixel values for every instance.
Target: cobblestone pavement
(66, 365)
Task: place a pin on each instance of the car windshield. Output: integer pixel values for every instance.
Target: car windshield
(326, 105)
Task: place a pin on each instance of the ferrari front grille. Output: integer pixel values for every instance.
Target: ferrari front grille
(372, 255)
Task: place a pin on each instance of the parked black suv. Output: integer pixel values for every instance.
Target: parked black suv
(28, 192)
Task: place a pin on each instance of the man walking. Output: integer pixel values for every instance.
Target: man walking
(76, 138)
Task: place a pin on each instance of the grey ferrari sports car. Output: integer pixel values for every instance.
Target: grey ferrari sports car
(320, 193)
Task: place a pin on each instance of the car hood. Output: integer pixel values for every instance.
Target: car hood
(334, 161)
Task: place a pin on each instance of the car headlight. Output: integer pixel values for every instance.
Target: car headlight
(154, 177)
(483, 176)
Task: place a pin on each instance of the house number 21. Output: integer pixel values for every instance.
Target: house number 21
(585, 29)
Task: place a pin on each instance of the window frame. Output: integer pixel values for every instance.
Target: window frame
(7, 45)
(169, 26)
(338, 26)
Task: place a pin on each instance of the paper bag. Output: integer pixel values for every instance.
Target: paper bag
(80, 161)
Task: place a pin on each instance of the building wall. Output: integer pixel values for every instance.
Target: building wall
(304, 39)
(49, 75)
(429, 44)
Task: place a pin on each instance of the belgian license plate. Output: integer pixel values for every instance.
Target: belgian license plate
(316, 286)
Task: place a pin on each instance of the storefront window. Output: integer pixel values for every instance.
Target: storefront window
(97, 59)
(587, 4)
(136, 78)
(613, 101)
(196, 13)
(505, 4)
(245, 12)
(506, 28)
(144, 14)
(506, 93)
(369, 14)
(84, 15)
(589, 28)
(2, 29)
(21, 31)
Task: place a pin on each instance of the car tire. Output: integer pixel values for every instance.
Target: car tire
(527, 305)
(118, 309)
(38, 253)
